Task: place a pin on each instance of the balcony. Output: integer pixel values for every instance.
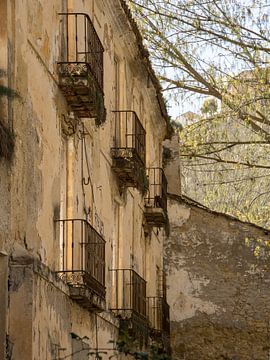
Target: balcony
(159, 321)
(81, 67)
(158, 312)
(156, 198)
(82, 262)
(128, 151)
(129, 303)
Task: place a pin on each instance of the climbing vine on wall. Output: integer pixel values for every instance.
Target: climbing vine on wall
(6, 135)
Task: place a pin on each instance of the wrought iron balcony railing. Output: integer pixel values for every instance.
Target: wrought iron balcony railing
(162, 284)
(158, 312)
(156, 197)
(129, 304)
(129, 294)
(81, 65)
(128, 151)
(82, 262)
(129, 136)
(82, 44)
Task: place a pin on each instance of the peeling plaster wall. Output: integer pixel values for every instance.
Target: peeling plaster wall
(44, 180)
(218, 285)
(35, 196)
(5, 65)
(35, 178)
(50, 317)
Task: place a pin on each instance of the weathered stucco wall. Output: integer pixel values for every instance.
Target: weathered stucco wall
(218, 285)
(49, 178)
(50, 317)
(42, 190)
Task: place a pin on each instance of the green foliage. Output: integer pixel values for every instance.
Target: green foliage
(224, 173)
(209, 107)
(145, 181)
(176, 125)
(166, 156)
(259, 247)
(128, 346)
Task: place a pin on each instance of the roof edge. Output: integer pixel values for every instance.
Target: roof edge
(145, 57)
(191, 202)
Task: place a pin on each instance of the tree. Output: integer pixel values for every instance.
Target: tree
(209, 107)
(239, 190)
(218, 49)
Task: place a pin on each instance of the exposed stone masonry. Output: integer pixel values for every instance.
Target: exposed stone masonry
(218, 285)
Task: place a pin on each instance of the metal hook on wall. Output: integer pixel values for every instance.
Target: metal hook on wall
(86, 182)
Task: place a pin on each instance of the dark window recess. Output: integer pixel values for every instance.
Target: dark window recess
(129, 303)
(81, 66)
(83, 262)
(128, 151)
(156, 197)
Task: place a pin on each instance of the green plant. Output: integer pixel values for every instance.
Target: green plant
(127, 346)
(145, 181)
(166, 156)
(176, 125)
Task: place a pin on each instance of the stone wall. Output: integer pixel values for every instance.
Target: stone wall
(218, 285)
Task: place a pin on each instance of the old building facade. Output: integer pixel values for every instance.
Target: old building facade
(83, 199)
(218, 278)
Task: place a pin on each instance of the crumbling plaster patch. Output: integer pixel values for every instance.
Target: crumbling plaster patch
(187, 303)
(218, 285)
